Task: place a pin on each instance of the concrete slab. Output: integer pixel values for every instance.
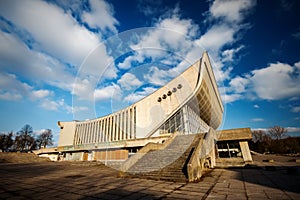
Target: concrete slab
(76, 180)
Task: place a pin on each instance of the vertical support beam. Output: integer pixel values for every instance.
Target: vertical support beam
(113, 126)
(134, 122)
(186, 120)
(105, 130)
(126, 124)
(84, 133)
(122, 125)
(102, 130)
(130, 123)
(98, 131)
(245, 151)
(117, 126)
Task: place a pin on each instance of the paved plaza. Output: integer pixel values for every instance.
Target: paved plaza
(82, 180)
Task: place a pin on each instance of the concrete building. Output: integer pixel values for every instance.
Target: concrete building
(189, 105)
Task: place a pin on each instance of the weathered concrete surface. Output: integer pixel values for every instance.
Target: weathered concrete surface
(80, 180)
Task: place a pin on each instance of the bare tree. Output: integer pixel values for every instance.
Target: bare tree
(258, 135)
(6, 141)
(24, 138)
(45, 138)
(277, 132)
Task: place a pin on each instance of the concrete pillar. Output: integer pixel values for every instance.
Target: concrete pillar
(186, 120)
(102, 130)
(245, 151)
(98, 131)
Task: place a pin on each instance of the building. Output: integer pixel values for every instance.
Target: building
(189, 104)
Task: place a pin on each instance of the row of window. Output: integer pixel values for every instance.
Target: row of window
(119, 126)
(194, 124)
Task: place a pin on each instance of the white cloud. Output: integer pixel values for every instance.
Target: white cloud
(231, 10)
(60, 105)
(109, 92)
(10, 96)
(296, 109)
(41, 93)
(158, 77)
(61, 36)
(30, 64)
(228, 54)
(276, 81)
(168, 35)
(293, 129)
(238, 84)
(129, 81)
(257, 120)
(101, 16)
(51, 105)
(256, 106)
(134, 97)
(217, 36)
(228, 98)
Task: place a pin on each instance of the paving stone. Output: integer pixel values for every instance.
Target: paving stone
(66, 181)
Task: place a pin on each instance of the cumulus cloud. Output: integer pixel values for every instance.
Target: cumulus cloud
(274, 82)
(228, 54)
(134, 97)
(41, 93)
(228, 98)
(101, 16)
(12, 89)
(239, 84)
(56, 105)
(50, 50)
(129, 81)
(213, 40)
(61, 36)
(231, 10)
(277, 81)
(109, 92)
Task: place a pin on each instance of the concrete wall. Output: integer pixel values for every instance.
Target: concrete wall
(110, 155)
(67, 131)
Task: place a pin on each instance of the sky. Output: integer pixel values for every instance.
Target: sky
(70, 60)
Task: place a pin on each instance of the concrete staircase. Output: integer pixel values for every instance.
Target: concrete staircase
(169, 163)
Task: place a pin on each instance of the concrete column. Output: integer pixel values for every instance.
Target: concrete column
(186, 120)
(113, 126)
(91, 135)
(110, 128)
(245, 151)
(84, 132)
(122, 126)
(98, 131)
(102, 130)
(117, 126)
(81, 134)
(126, 124)
(130, 123)
(106, 130)
(134, 122)
(95, 131)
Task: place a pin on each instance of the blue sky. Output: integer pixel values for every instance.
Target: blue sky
(64, 60)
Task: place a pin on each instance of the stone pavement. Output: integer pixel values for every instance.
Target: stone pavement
(81, 180)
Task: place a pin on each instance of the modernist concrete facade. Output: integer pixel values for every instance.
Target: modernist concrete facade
(188, 104)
